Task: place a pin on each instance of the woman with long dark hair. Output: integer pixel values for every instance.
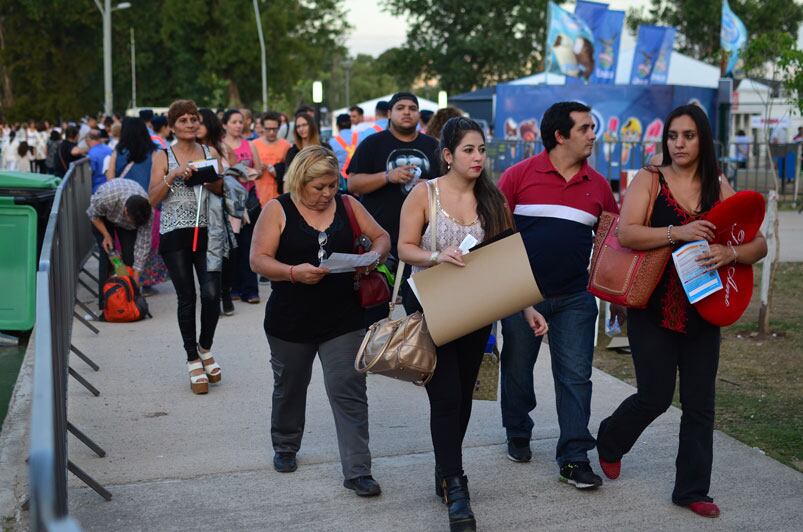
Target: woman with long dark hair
(669, 336)
(305, 133)
(466, 203)
(131, 159)
(132, 154)
(211, 133)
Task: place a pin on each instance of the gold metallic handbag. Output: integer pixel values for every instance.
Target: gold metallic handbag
(487, 384)
(401, 349)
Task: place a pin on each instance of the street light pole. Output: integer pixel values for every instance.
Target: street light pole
(107, 58)
(347, 67)
(263, 58)
(106, 12)
(133, 70)
(317, 98)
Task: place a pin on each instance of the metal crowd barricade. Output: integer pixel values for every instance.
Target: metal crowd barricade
(67, 244)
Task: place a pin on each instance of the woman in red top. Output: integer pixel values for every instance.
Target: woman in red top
(240, 281)
(669, 336)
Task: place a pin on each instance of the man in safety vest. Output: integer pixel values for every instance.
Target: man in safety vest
(344, 144)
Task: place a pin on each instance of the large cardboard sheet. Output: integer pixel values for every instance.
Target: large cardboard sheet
(495, 282)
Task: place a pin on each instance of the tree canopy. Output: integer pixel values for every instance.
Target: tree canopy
(465, 44)
(698, 21)
(51, 53)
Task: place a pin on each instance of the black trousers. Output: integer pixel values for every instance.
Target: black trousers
(658, 355)
(127, 238)
(180, 265)
(450, 395)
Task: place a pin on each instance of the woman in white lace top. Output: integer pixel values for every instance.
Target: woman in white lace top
(467, 203)
(184, 237)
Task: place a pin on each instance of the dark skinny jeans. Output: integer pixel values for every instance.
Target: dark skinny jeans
(180, 265)
(451, 392)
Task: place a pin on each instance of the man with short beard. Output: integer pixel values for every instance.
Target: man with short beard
(386, 166)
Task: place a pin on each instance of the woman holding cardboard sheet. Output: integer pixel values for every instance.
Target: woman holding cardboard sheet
(669, 335)
(463, 201)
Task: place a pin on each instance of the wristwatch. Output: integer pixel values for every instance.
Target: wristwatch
(433, 257)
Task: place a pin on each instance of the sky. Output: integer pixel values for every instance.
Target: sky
(375, 31)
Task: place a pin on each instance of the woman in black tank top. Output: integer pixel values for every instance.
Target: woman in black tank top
(669, 336)
(312, 311)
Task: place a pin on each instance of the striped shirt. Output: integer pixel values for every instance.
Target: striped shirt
(108, 203)
(556, 219)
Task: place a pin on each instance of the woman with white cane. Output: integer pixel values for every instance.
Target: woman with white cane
(183, 243)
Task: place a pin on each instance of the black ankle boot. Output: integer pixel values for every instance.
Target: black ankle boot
(439, 484)
(461, 518)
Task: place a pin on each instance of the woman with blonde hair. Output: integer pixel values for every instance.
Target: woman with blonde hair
(312, 311)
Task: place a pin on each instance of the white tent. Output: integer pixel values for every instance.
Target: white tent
(370, 105)
(683, 70)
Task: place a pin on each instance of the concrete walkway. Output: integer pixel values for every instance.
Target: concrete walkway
(178, 461)
(791, 236)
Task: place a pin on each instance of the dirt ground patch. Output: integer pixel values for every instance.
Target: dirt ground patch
(760, 380)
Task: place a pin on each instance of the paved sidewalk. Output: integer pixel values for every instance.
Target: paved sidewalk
(179, 462)
(791, 236)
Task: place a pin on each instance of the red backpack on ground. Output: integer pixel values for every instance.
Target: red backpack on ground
(122, 300)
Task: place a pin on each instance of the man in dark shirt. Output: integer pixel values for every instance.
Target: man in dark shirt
(387, 164)
(556, 199)
(385, 168)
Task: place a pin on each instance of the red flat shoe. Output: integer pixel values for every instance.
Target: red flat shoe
(706, 509)
(611, 469)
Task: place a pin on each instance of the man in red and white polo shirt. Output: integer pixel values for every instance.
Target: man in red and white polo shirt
(556, 199)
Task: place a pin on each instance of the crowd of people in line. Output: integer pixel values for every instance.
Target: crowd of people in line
(283, 205)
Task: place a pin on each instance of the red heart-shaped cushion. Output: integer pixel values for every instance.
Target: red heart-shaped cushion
(737, 220)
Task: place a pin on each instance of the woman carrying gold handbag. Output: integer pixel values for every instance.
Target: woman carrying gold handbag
(462, 202)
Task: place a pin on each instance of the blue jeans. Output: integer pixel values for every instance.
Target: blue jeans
(571, 319)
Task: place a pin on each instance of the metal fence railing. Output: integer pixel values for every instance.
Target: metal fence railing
(747, 165)
(68, 243)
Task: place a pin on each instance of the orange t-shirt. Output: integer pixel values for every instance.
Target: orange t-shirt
(269, 154)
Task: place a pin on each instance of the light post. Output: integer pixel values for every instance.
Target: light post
(317, 98)
(263, 59)
(347, 67)
(133, 70)
(106, 11)
(443, 99)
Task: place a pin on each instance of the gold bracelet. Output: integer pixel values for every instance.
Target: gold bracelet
(168, 185)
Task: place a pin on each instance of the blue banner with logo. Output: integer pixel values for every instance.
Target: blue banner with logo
(732, 36)
(606, 25)
(570, 45)
(652, 55)
(629, 119)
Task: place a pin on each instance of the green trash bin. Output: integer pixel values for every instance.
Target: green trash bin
(25, 203)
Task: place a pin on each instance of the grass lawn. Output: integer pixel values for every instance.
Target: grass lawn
(760, 380)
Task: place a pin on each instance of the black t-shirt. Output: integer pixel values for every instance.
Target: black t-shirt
(382, 152)
(65, 157)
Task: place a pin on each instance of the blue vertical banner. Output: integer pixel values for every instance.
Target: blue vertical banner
(606, 25)
(732, 36)
(652, 55)
(660, 71)
(570, 44)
